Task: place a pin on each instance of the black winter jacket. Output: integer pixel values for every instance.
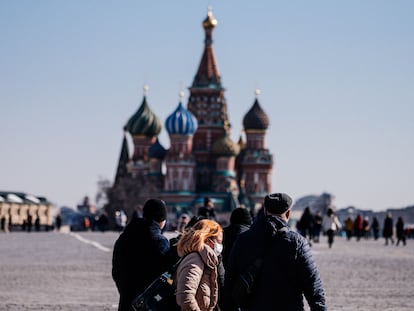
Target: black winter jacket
(139, 256)
(288, 270)
(229, 236)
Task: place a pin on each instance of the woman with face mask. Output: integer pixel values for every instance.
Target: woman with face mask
(196, 275)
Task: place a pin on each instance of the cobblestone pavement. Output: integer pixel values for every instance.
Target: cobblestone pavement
(72, 271)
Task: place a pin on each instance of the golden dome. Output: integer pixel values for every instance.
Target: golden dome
(210, 21)
(224, 146)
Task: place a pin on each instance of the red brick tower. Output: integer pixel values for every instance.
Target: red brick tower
(208, 104)
(255, 162)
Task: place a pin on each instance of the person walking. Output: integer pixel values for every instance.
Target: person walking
(140, 253)
(207, 210)
(349, 226)
(387, 231)
(58, 221)
(375, 228)
(240, 221)
(196, 275)
(400, 231)
(288, 271)
(331, 225)
(358, 227)
(365, 227)
(306, 224)
(317, 226)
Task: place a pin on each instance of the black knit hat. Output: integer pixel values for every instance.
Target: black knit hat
(277, 203)
(240, 216)
(154, 209)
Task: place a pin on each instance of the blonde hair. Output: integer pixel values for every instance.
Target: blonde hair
(194, 238)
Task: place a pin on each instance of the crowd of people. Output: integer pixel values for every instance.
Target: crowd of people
(212, 259)
(312, 225)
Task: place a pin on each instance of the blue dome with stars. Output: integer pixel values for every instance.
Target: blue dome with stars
(181, 122)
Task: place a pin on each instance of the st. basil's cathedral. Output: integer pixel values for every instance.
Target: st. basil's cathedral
(202, 161)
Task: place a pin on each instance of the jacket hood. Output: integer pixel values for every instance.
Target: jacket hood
(209, 257)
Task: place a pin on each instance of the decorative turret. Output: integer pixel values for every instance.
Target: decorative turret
(123, 160)
(144, 121)
(157, 151)
(225, 147)
(255, 163)
(144, 126)
(208, 104)
(210, 22)
(256, 118)
(224, 179)
(181, 121)
(181, 126)
(208, 74)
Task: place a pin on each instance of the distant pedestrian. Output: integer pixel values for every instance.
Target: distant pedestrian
(288, 272)
(183, 222)
(139, 254)
(400, 231)
(375, 227)
(306, 225)
(58, 222)
(349, 227)
(317, 226)
(29, 222)
(196, 275)
(207, 210)
(5, 223)
(37, 224)
(103, 222)
(86, 223)
(331, 225)
(387, 231)
(365, 227)
(358, 227)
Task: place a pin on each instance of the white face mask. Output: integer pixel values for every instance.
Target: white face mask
(218, 248)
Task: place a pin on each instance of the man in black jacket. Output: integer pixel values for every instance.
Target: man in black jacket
(288, 270)
(139, 254)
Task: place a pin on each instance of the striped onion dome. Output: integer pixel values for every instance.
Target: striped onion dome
(224, 146)
(181, 122)
(157, 151)
(144, 121)
(256, 118)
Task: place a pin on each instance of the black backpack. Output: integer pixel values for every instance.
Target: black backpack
(159, 295)
(245, 282)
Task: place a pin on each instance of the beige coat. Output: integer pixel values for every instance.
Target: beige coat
(196, 281)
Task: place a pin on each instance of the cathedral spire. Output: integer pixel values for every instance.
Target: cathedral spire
(123, 160)
(207, 73)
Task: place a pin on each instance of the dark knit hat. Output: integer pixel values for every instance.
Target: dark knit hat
(240, 216)
(154, 209)
(277, 203)
(207, 200)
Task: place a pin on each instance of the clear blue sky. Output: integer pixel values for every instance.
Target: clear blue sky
(337, 80)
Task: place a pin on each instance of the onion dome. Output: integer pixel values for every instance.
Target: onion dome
(224, 146)
(256, 118)
(181, 122)
(157, 151)
(210, 21)
(144, 121)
